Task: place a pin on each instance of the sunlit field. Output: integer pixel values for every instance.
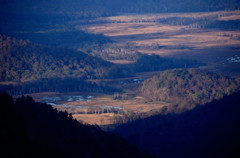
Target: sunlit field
(184, 35)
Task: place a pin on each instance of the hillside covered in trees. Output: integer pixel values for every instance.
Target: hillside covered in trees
(22, 60)
(30, 129)
(207, 131)
(188, 87)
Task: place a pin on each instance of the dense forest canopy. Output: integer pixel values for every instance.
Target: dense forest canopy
(188, 87)
(22, 60)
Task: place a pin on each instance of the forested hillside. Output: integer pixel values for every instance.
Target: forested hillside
(207, 131)
(30, 129)
(188, 87)
(24, 61)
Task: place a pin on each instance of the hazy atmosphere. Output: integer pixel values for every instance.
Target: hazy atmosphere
(120, 78)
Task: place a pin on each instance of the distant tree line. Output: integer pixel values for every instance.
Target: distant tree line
(75, 10)
(156, 63)
(112, 51)
(61, 85)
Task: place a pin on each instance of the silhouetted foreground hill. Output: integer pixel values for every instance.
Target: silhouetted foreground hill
(30, 129)
(212, 130)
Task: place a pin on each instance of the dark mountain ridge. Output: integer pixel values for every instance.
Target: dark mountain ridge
(211, 130)
(30, 129)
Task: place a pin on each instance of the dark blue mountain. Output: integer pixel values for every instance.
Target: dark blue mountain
(207, 131)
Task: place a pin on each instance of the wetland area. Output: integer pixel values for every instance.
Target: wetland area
(193, 36)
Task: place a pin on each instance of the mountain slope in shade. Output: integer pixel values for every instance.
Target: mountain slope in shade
(30, 129)
(212, 130)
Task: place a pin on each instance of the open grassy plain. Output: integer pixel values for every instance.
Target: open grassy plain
(210, 37)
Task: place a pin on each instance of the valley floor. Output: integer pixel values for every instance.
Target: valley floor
(182, 38)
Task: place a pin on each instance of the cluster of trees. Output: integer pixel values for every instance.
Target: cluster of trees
(188, 87)
(207, 131)
(111, 51)
(156, 63)
(30, 129)
(124, 118)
